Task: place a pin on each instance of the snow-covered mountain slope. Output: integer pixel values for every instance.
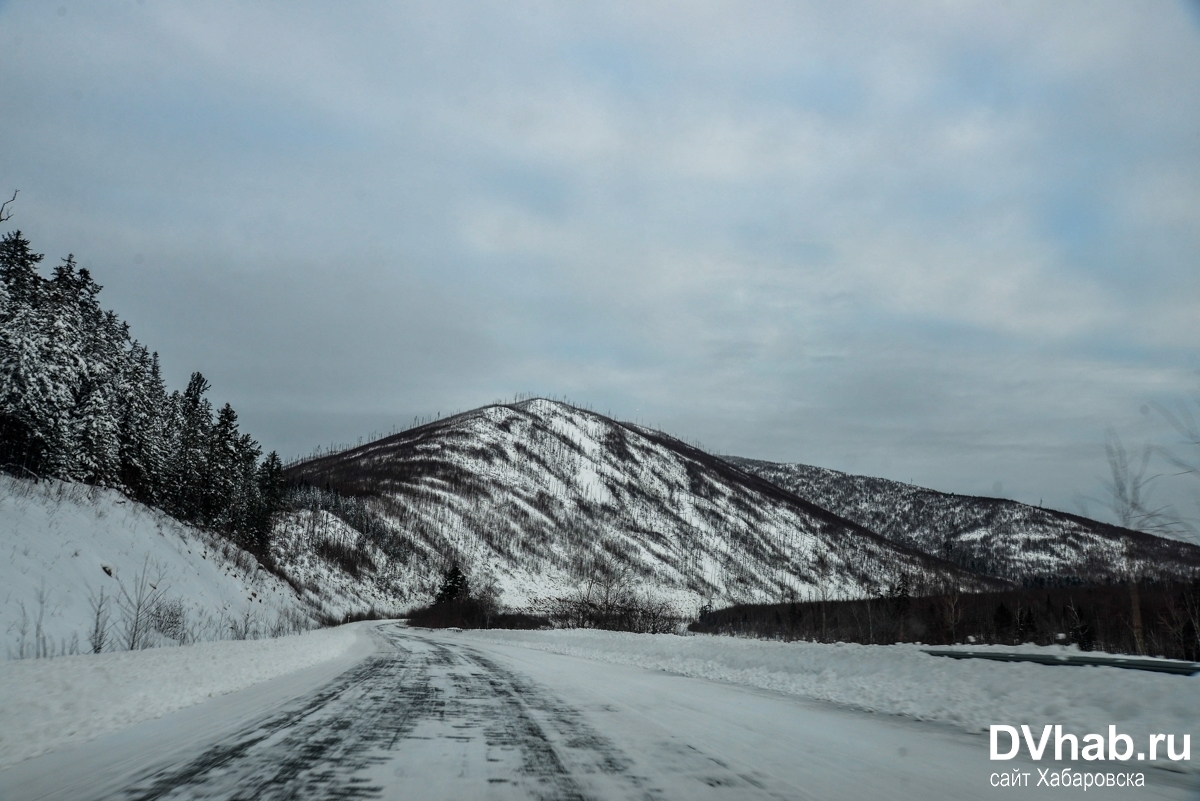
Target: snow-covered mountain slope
(993, 536)
(336, 570)
(62, 545)
(533, 496)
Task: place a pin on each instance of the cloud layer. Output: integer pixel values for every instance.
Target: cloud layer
(950, 243)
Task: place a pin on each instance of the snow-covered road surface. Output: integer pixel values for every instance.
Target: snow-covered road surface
(443, 716)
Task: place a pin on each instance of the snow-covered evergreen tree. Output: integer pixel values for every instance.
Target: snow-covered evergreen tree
(188, 469)
(143, 420)
(81, 400)
(31, 430)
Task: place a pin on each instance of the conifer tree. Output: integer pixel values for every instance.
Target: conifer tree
(18, 269)
(81, 400)
(270, 483)
(222, 472)
(189, 465)
(142, 426)
(455, 588)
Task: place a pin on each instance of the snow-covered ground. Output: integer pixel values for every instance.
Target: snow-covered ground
(62, 545)
(443, 716)
(902, 680)
(49, 704)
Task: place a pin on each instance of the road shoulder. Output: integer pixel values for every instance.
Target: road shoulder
(106, 763)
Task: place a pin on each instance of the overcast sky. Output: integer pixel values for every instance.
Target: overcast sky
(950, 243)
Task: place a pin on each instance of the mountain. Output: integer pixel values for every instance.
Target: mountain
(992, 536)
(535, 498)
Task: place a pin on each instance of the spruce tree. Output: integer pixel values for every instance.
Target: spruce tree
(18, 269)
(189, 465)
(270, 481)
(455, 588)
(142, 426)
(81, 400)
(222, 472)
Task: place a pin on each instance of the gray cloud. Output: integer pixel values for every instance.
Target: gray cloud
(943, 243)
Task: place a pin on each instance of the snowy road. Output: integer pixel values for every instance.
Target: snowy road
(435, 716)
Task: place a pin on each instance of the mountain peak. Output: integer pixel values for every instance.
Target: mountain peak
(533, 495)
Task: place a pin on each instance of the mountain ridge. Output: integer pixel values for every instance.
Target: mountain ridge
(982, 533)
(536, 494)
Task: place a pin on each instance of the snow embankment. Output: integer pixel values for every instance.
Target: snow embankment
(902, 680)
(72, 558)
(48, 704)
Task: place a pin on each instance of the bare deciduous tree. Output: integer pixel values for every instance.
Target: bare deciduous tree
(608, 598)
(98, 637)
(1129, 488)
(136, 607)
(1183, 419)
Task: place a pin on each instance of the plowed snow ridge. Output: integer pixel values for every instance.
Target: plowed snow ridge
(902, 680)
(48, 704)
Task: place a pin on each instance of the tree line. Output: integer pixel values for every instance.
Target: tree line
(1149, 617)
(82, 401)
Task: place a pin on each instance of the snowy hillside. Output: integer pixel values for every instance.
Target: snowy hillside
(336, 570)
(532, 496)
(993, 536)
(64, 545)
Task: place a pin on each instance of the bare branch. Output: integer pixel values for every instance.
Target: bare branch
(1130, 489)
(1185, 424)
(5, 211)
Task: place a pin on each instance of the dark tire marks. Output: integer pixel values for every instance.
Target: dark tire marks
(418, 719)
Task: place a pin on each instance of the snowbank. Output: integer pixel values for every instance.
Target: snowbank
(62, 545)
(47, 704)
(902, 680)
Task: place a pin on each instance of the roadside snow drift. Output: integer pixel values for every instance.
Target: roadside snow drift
(902, 680)
(48, 704)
